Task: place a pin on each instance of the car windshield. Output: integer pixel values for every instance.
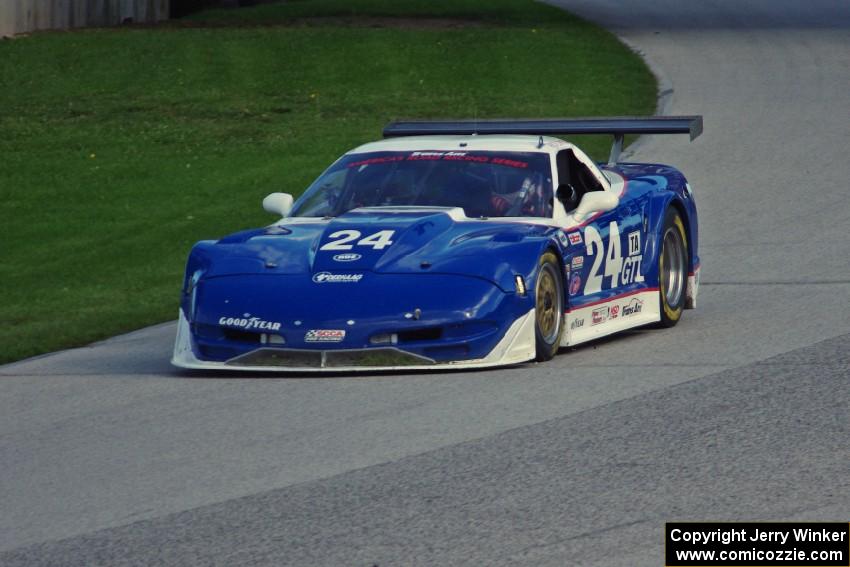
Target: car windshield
(483, 184)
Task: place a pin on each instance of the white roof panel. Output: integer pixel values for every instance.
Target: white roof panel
(490, 142)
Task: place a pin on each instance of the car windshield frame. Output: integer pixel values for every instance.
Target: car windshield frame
(484, 183)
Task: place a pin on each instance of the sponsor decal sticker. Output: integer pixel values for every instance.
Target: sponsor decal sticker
(577, 262)
(599, 315)
(618, 270)
(350, 257)
(577, 324)
(631, 269)
(324, 335)
(634, 243)
(441, 156)
(633, 307)
(327, 277)
(249, 323)
(343, 239)
(575, 284)
(575, 238)
(565, 242)
(615, 310)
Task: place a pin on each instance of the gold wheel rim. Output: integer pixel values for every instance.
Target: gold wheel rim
(548, 304)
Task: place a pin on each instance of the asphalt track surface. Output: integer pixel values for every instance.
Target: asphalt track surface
(110, 457)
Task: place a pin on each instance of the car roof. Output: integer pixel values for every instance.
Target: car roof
(489, 142)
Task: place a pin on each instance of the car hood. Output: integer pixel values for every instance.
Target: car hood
(380, 240)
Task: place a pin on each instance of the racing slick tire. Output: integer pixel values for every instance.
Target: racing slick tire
(549, 307)
(672, 268)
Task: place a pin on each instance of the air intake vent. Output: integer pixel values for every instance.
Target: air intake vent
(431, 334)
(240, 336)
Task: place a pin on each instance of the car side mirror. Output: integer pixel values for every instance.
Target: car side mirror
(596, 202)
(278, 203)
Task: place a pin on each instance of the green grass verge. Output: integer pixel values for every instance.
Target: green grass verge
(122, 147)
(499, 12)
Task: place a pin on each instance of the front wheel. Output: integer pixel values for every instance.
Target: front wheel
(672, 268)
(549, 307)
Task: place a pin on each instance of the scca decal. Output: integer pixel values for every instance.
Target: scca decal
(324, 336)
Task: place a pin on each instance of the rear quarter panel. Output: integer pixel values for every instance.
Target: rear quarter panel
(661, 186)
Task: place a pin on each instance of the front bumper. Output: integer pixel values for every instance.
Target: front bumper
(381, 321)
(516, 346)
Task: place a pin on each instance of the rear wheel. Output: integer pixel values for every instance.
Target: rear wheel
(672, 268)
(549, 307)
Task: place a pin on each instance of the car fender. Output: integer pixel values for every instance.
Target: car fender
(655, 213)
(519, 258)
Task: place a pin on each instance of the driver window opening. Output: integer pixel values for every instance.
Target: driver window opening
(574, 180)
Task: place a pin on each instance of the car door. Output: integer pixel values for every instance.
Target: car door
(606, 254)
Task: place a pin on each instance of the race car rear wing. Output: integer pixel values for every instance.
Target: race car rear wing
(617, 127)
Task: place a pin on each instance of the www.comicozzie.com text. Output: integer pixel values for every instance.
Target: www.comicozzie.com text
(726, 536)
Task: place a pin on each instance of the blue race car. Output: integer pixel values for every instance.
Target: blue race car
(459, 244)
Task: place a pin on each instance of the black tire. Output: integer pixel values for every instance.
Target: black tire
(672, 268)
(549, 307)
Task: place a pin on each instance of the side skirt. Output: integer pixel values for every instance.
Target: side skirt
(619, 313)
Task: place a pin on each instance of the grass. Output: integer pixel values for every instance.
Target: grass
(120, 148)
(496, 12)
